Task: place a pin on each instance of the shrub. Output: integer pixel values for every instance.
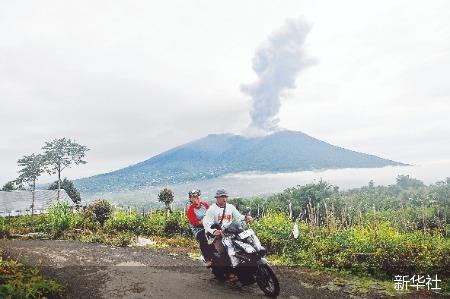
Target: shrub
(114, 239)
(25, 224)
(159, 224)
(274, 231)
(17, 281)
(60, 217)
(102, 210)
(4, 228)
(375, 247)
(86, 220)
(154, 224)
(122, 221)
(177, 224)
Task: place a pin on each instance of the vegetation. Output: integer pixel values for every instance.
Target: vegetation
(70, 189)
(18, 281)
(371, 248)
(166, 196)
(60, 218)
(32, 167)
(12, 186)
(62, 153)
(102, 210)
(374, 230)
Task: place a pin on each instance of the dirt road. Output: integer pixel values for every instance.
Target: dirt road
(99, 271)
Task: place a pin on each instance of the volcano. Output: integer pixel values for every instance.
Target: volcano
(220, 154)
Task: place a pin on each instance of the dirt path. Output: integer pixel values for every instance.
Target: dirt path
(99, 271)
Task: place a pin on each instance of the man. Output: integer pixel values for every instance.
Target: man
(215, 213)
(195, 213)
(220, 215)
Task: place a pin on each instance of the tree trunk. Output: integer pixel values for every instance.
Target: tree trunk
(290, 210)
(32, 201)
(168, 208)
(59, 182)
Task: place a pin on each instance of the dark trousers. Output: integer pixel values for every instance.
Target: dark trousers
(204, 247)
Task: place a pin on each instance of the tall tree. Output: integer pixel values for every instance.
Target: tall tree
(70, 189)
(32, 167)
(62, 153)
(166, 196)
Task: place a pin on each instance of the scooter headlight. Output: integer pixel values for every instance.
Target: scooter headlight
(247, 247)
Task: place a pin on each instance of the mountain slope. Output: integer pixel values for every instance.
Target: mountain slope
(219, 154)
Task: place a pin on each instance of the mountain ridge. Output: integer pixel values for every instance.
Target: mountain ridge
(220, 154)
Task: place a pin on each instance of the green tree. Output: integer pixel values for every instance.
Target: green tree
(62, 153)
(32, 167)
(405, 181)
(102, 210)
(166, 196)
(11, 186)
(70, 189)
(301, 197)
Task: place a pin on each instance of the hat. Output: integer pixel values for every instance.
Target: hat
(221, 192)
(194, 192)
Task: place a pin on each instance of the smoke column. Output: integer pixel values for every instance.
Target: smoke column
(277, 63)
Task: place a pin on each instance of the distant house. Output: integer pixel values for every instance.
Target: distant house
(19, 202)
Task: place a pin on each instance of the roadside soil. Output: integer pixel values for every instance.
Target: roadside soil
(98, 271)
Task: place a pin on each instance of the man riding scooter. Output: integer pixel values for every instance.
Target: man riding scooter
(219, 216)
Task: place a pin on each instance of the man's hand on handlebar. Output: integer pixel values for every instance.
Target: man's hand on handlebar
(249, 218)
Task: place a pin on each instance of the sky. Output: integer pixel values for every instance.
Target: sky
(133, 79)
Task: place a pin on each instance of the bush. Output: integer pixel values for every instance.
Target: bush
(159, 224)
(24, 224)
(17, 281)
(376, 247)
(274, 231)
(154, 224)
(102, 210)
(86, 220)
(4, 228)
(122, 221)
(177, 224)
(60, 217)
(113, 239)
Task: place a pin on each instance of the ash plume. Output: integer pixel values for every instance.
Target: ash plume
(277, 62)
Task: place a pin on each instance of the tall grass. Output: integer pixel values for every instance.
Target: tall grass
(60, 218)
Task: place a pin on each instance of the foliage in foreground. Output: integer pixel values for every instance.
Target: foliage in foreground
(374, 248)
(383, 231)
(17, 281)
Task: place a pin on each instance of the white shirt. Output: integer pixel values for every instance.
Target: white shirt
(214, 215)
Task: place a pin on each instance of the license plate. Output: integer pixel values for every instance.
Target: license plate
(245, 234)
